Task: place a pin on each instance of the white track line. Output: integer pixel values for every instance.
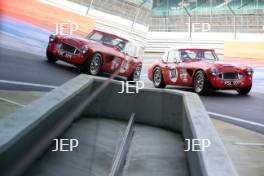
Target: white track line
(250, 144)
(12, 102)
(236, 119)
(27, 84)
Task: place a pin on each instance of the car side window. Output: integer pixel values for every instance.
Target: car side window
(173, 56)
(140, 52)
(165, 56)
(96, 36)
(130, 49)
(187, 55)
(126, 49)
(121, 46)
(208, 55)
(89, 35)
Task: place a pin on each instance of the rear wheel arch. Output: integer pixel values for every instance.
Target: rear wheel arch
(136, 64)
(134, 72)
(156, 67)
(139, 64)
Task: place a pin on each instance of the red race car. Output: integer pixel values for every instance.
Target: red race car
(200, 69)
(98, 52)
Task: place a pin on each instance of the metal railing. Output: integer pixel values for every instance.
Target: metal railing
(120, 156)
(218, 23)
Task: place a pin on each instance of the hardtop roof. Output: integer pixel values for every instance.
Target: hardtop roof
(118, 35)
(190, 48)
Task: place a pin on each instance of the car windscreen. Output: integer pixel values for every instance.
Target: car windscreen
(198, 55)
(108, 39)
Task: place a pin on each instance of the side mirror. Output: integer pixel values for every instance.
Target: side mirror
(177, 61)
(118, 48)
(163, 61)
(125, 52)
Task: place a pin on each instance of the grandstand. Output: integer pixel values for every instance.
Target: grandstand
(174, 7)
(172, 15)
(127, 9)
(159, 24)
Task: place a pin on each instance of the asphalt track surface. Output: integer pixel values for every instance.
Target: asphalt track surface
(17, 68)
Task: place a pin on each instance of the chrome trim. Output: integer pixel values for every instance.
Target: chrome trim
(236, 75)
(75, 50)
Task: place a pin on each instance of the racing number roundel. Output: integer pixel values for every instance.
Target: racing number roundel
(173, 74)
(115, 63)
(125, 65)
(183, 74)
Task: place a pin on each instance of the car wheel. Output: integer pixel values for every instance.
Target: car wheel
(244, 90)
(51, 58)
(136, 73)
(201, 83)
(158, 81)
(94, 64)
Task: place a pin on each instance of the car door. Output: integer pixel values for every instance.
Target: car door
(112, 60)
(184, 70)
(171, 71)
(127, 62)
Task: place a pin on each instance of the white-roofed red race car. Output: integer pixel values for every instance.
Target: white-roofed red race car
(201, 69)
(98, 52)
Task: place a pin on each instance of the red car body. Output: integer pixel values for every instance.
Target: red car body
(177, 68)
(102, 51)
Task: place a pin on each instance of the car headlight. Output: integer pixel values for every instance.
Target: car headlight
(84, 49)
(240, 76)
(214, 71)
(250, 71)
(52, 38)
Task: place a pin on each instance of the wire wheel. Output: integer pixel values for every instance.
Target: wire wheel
(136, 74)
(158, 79)
(95, 64)
(201, 84)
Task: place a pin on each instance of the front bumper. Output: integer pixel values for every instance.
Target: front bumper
(73, 59)
(219, 83)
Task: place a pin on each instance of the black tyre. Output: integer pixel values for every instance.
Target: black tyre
(244, 91)
(200, 83)
(158, 81)
(51, 58)
(136, 73)
(93, 65)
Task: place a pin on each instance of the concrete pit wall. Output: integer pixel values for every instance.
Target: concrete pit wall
(26, 134)
(153, 107)
(170, 109)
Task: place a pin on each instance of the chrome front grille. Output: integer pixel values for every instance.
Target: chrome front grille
(67, 48)
(229, 75)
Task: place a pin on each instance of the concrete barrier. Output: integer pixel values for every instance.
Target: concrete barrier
(175, 110)
(26, 134)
